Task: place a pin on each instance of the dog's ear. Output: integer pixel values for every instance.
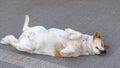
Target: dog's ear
(106, 46)
(97, 34)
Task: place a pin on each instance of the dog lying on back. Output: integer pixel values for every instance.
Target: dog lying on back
(56, 42)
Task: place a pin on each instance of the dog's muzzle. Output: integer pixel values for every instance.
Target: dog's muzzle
(102, 52)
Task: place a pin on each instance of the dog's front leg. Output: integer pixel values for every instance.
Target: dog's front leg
(73, 34)
(68, 51)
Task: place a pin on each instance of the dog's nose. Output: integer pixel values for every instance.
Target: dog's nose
(103, 52)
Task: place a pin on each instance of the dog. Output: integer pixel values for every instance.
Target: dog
(56, 42)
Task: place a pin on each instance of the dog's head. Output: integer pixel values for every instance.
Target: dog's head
(99, 48)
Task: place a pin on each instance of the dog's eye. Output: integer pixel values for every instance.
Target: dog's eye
(97, 47)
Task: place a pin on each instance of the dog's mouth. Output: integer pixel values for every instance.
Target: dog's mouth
(102, 52)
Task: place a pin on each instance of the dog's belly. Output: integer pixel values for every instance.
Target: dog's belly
(43, 43)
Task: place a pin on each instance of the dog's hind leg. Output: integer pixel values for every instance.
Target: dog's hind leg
(11, 40)
(25, 27)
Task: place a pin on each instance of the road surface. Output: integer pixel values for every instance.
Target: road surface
(82, 15)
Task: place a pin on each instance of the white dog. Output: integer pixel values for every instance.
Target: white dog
(56, 42)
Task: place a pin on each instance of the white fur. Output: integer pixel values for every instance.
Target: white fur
(40, 40)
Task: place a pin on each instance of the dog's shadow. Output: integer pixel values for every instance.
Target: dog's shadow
(67, 62)
(73, 62)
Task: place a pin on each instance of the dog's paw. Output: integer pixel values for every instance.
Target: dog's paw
(66, 54)
(6, 40)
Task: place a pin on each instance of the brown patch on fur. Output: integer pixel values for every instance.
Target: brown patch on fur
(103, 45)
(58, 47)
(106, 46)
(81, 47)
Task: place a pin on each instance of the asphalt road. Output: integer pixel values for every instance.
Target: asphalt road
(82, 15)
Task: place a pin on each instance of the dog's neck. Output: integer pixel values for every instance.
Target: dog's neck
(87, 43)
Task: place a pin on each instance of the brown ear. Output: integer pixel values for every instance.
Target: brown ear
(97, 34)
(106, 46)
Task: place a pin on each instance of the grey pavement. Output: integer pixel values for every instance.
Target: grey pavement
(82, 15)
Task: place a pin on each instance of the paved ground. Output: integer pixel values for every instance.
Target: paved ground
(82, 15)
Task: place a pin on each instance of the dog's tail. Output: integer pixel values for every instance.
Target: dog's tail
(25, 27)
